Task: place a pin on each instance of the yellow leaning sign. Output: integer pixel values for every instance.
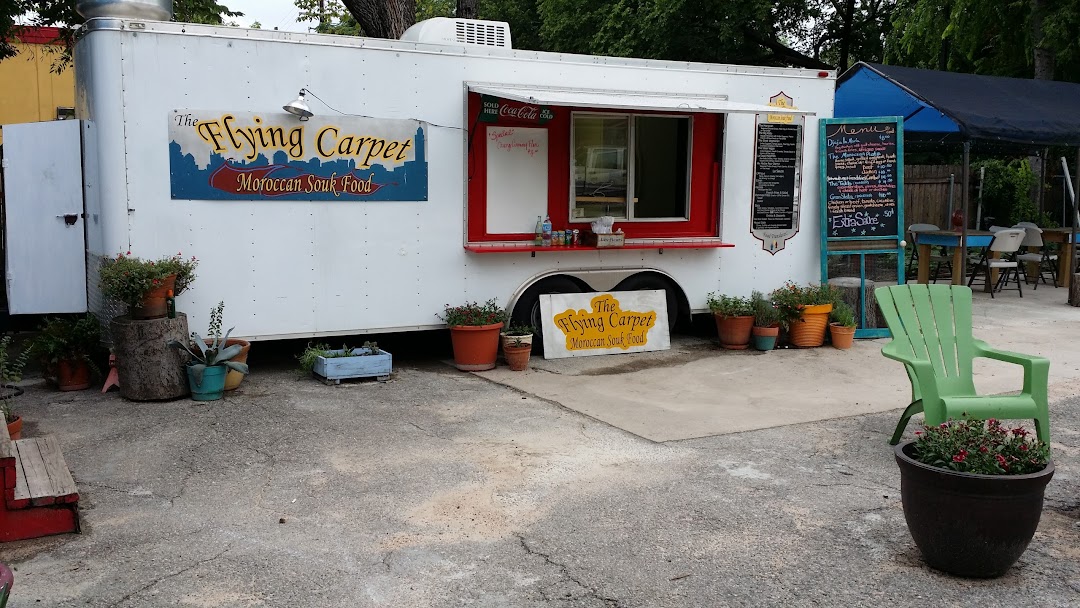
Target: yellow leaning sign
(604, 323)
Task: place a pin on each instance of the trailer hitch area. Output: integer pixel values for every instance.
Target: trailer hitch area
(70, 218)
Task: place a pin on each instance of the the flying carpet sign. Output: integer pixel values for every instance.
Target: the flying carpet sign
(247, 156)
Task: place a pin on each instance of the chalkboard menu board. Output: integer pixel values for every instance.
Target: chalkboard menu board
(777, 177)
(861, 180)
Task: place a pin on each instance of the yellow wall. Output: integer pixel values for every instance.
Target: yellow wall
(29, 92)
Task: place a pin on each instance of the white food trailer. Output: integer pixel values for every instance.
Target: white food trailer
(418, 180)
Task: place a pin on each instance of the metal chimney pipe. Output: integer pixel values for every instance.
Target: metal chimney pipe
(155, 10)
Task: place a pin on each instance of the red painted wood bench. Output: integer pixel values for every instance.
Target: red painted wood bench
(40, 497)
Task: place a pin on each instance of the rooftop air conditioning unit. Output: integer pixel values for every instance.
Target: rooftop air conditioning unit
(443, 30)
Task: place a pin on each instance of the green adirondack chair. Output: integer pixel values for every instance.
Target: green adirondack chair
(931, 330)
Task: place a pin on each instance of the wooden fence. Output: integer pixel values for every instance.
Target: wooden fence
(926, 194)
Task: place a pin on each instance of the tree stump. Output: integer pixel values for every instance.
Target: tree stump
(849, 293)
(148, 369)
(1074, 290)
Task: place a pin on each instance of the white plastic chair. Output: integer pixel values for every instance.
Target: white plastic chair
(1044, 260)
(1006, 241)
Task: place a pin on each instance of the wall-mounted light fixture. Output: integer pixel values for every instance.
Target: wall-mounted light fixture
(299, 107)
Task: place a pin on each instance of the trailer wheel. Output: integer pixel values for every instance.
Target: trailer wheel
(644, 281)
(527, 309)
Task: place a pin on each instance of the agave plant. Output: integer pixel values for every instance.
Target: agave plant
(216, 354)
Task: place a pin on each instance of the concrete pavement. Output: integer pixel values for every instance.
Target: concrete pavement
(441, 488)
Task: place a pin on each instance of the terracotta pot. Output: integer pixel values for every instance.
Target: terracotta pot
(764, 338)
(14, 429)
(153, 304)
(233, 378)
(842, 337)
(72, 375)
(475, 346)
(734, 332)
(809, 330)
(517, 357)
(966, 523)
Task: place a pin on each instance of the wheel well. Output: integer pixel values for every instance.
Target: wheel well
(659, 278)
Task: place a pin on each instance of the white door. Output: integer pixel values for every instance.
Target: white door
(44, 229)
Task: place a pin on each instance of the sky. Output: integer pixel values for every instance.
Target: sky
(280, 14)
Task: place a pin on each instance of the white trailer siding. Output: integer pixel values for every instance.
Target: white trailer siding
(304, 268)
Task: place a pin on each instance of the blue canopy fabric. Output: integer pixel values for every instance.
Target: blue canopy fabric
(949, 105)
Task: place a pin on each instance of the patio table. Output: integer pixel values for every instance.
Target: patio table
(950, 238)
(1063, 236)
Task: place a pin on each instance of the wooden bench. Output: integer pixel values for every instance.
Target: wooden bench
(40, 497)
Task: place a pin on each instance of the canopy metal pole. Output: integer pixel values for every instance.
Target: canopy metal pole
(1073, 220)
(978, 209)
(964, 206)
(1072, 239)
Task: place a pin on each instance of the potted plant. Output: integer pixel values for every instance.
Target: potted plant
(972, 493)
(766, 322)
(145, 285)
(210, 361)
(66, 348)
(842, 326)
(474, 331)
(517, 346)
(335, 365)
(233, 377)
(804, 311)
(11, 367)
(734, 320)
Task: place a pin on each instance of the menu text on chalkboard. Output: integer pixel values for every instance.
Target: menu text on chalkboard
(861, 179)
(777, 183)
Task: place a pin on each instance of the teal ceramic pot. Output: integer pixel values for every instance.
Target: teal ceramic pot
(213, 383)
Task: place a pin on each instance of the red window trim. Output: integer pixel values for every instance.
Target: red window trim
(706, 137)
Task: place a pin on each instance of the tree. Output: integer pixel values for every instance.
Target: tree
(382, 18)
(728, 31)
(61, 14)
(1020, 38)
(466, 9)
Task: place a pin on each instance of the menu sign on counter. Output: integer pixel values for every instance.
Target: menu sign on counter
(861, 182)
(777, 183)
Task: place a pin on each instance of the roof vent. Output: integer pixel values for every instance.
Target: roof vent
(443, 30)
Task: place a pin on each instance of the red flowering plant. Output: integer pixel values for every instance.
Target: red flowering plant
(986, 447)
(129, 279)
(473, 314)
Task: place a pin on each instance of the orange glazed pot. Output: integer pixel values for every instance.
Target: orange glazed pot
(809, 330)
(842, 337)
(475, 346)
(153, 304)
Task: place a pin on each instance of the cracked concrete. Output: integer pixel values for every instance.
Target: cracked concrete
(443, 489)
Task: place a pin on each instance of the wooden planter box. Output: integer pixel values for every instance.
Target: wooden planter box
(359, 365)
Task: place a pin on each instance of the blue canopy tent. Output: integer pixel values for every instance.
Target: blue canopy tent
(952, 107)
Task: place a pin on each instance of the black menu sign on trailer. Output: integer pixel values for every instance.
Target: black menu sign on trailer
(861, 178)
(777, 183)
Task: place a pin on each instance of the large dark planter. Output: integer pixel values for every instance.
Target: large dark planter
(968, 524)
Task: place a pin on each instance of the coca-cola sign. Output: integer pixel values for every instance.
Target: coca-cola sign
(495, 109)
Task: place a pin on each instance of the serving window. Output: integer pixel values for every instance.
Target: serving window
(656, 172)
(631, 167)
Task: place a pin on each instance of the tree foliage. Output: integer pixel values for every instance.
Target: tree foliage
(1018, 38)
